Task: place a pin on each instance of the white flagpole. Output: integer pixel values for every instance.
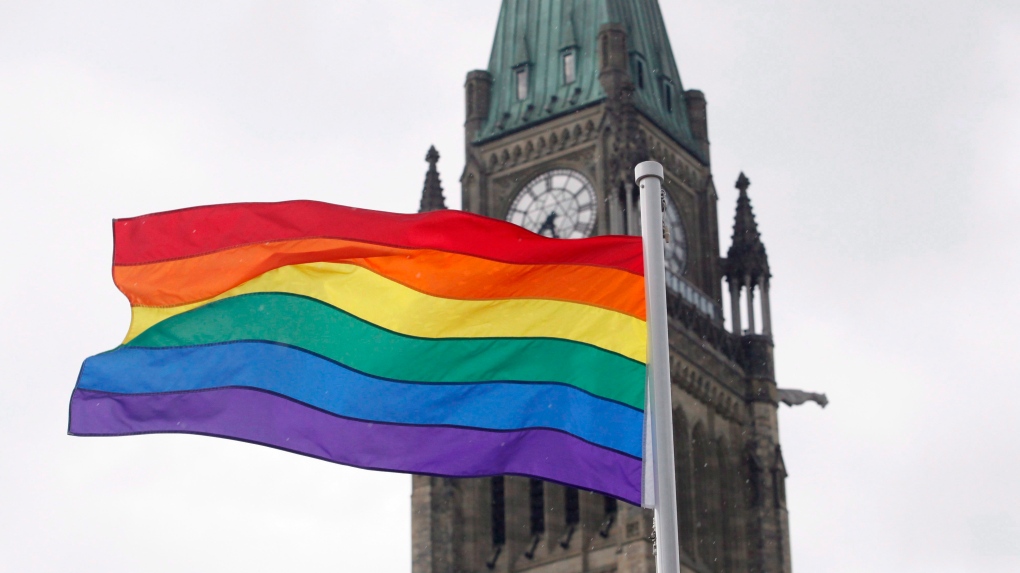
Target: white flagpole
(649, 179)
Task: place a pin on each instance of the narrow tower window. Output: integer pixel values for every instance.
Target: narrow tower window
(609, 505)
(572, 506)
(667, 96)
(537, 496)
(498, 512)
(609, 508)
(569, 67)
(522, 83)
(572, 513)
(639, 67)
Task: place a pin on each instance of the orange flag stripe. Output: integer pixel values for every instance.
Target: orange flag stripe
(433, 272)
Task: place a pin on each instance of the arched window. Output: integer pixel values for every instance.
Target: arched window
(684, 491)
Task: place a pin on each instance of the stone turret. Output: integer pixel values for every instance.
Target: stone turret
(432, 194)
(747, 266)
(614, 73)
(477, 94)
(697, 112)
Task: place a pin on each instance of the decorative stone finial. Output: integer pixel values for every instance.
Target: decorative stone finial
(432, 194)
(743, 183)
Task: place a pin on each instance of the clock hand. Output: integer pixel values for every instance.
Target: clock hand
(549, 225)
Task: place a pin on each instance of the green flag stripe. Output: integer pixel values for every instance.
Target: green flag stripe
(332, 333)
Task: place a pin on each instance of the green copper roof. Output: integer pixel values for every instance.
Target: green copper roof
(535, 35)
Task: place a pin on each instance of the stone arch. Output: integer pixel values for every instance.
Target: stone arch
(728, 508)
(684, 486)
(706, 496)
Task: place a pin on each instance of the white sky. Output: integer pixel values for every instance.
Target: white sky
(882, 139)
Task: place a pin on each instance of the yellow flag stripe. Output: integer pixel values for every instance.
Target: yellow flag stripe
(393, 306)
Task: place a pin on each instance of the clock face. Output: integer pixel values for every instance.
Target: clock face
(558, 204)
(676, 248)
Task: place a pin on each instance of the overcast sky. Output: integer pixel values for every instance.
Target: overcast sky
(882, 140)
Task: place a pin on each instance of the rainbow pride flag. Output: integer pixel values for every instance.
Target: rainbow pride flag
(442, 343)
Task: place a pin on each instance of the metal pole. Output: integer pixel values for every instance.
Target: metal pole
(667, 534)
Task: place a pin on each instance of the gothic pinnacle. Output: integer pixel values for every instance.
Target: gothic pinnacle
(432, 194)
(746, 259)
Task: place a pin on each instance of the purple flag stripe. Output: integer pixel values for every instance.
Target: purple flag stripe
(269, 419)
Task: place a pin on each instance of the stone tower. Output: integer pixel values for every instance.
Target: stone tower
(577, 92)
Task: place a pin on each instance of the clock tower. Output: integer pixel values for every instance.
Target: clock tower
(576, 93)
